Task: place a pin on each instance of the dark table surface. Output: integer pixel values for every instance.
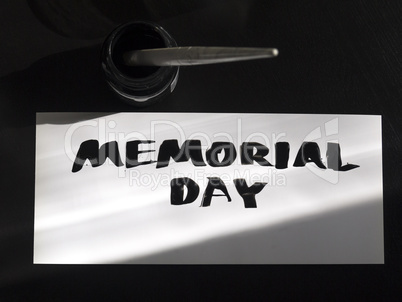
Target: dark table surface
(336, 57)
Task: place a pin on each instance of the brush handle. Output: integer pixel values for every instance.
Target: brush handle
(194, 55)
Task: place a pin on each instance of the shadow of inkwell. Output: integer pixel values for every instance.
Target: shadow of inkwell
(74, 81)
(139, 60)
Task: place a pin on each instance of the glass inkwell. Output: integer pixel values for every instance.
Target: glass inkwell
(141, 61)
(138, 85)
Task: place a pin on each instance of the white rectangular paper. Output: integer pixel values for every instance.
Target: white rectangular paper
(120, 214)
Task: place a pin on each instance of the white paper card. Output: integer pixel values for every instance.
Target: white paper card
(304, 189)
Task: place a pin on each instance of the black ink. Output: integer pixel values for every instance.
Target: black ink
(214, 183)
(177, 191)
(216, 148)
(248, 193)
(133, 38)
(282, 155)
(247, 156)
(170, 149)
(132, 153)
(308, 152)
(334, 160)
(90, 150)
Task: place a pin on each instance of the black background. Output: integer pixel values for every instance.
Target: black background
(335, 57)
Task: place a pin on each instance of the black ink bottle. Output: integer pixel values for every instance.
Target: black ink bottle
(138, 85)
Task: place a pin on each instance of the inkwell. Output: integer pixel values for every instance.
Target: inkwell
(141, 61)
